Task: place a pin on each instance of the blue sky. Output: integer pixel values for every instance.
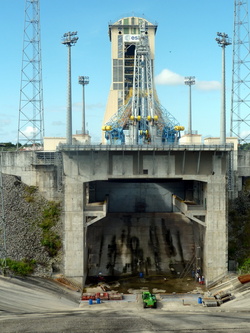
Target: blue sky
(185, 46)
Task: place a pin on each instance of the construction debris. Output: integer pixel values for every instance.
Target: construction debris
(223, 297)
(209, 301)
(217, 299)
(102, 296)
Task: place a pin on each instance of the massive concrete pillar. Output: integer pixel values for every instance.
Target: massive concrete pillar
(74, 238)
(215, 259)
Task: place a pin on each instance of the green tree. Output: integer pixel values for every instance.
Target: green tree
(239, 228)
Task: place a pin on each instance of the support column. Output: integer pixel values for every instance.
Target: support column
(216, 233)
(74, 230)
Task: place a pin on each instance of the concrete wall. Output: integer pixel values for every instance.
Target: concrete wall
(32, 172)
(193, 139)
(243, 163)
(20, 164)
(51, 143)
(134, 196)
(156, 243)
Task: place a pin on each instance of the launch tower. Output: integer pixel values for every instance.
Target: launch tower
(134, 114)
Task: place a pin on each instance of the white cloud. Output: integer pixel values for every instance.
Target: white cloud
(29, 131)
(208, 85)
(169, 78)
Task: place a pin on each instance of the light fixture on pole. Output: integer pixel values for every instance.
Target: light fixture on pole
(223, 41)
(83, 80)
(190, 80)
(69, 39)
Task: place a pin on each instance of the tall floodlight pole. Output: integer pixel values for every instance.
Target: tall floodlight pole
(69, 39)
(190, 80)
(223, 41)
(240, 98)
(83, 80)
(31, 122)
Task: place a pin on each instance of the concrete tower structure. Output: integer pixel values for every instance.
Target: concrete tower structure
(124, 35)
(134, 114)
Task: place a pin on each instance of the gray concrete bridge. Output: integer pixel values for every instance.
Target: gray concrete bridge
(137, 208)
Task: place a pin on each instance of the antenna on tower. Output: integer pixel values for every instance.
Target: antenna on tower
(31, 118)
(240, 98)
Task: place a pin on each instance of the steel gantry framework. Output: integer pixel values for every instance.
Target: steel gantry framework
(31, 110)
(240, 98)
(142, 120)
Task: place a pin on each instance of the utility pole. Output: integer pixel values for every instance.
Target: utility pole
(31, 112)
(240, 97)
(83, 80)
(69, 39)
(223, 41)
(190, 80)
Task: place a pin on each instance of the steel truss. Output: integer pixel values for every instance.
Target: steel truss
(31, 111)
(240, 98)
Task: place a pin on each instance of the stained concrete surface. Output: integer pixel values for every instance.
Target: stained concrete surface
(152, 243)
(34, 295)
(39, 305)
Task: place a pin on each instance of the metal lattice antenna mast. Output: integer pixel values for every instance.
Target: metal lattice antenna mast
(31, 112)
(240, 98)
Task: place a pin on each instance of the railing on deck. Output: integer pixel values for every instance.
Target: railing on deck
(167, 147)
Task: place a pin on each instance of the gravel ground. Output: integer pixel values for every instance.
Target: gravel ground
(23, 207)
